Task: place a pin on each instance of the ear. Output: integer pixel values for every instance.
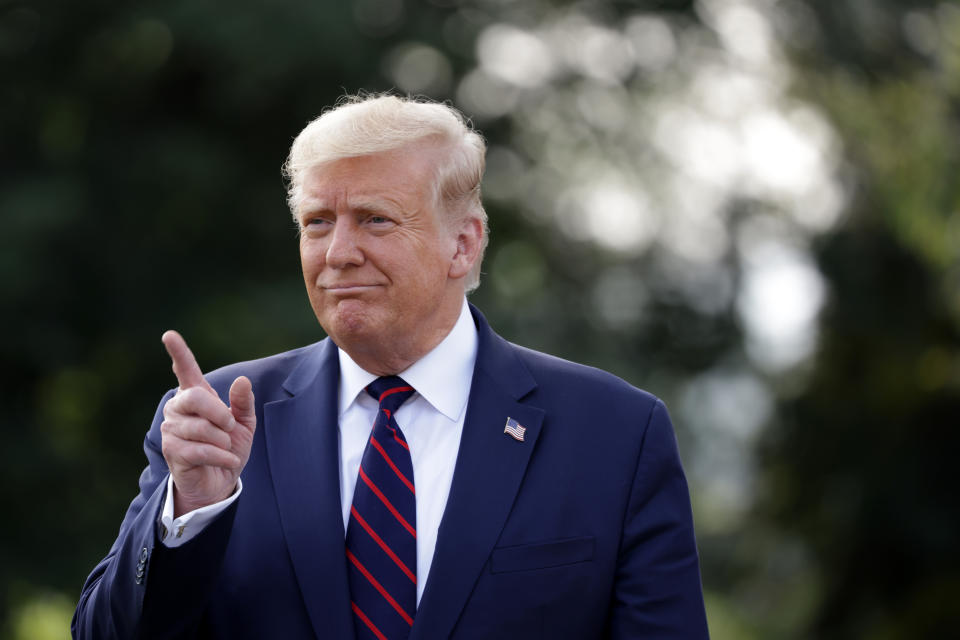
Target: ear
(469, 239)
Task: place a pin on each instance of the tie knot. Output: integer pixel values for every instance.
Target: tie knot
(390, 392)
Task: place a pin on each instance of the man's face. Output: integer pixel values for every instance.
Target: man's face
(383, 272)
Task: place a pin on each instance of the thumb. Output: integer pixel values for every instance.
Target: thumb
(241, 403)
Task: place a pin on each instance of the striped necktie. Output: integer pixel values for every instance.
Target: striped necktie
(381, 533)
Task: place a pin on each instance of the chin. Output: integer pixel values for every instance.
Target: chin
(348, 322)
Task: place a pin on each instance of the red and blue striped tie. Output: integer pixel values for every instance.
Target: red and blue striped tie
(382, 531)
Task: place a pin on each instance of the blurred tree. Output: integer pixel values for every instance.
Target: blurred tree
(860, 466)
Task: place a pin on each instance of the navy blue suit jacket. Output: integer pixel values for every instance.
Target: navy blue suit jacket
(583, 530)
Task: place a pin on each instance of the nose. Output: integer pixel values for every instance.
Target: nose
(344, 248)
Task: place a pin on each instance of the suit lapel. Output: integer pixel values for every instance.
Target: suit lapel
(303, 452)
(490, 467)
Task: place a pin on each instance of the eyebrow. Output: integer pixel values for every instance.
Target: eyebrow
(312, 205)
(373, 204)
(364, 204)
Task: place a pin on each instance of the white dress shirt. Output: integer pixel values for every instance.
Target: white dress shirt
(431, 420)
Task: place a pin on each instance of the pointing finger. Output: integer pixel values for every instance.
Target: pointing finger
(185, 366)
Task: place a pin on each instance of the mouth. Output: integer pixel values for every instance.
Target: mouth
(348, 289)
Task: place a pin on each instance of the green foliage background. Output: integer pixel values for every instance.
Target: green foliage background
(141, 144)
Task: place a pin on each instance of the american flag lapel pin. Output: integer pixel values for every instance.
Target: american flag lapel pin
(514, 430)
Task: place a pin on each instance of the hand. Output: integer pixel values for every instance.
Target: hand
(206, 443)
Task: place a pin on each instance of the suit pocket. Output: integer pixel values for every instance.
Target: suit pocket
(541, 555)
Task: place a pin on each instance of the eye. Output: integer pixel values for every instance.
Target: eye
(315, 224)
(378, 220)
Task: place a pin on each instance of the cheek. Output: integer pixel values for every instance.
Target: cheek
(311, 258)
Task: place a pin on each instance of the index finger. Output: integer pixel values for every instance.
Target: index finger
(185, 366)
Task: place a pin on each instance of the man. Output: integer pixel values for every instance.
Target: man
(501, 493)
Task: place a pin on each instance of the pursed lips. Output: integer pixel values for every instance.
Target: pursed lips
(347, 288)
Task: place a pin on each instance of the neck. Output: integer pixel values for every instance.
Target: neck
(403, 353)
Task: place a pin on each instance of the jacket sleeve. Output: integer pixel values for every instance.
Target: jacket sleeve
(143, 589)
(657, 591)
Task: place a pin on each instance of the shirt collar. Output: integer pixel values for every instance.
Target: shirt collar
(442, 376)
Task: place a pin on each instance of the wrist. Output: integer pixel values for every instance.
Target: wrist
(183, 504)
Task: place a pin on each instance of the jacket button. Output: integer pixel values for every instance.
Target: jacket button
(143, 554)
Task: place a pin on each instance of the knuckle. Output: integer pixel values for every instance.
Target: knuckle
(181, 434)
(204, 431)
(193, 401)
(173, 402)
(201, 454)
(199, 431)
(188, 454)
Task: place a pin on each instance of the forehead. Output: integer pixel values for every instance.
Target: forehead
(402, 178)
